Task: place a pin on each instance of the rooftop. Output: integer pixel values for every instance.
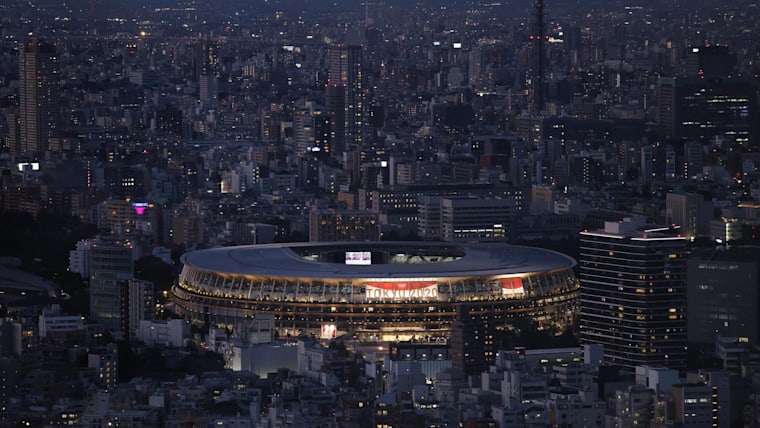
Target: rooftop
(458, 260)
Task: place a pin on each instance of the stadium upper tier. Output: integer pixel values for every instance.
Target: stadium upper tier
(376, 285)
(388, 260)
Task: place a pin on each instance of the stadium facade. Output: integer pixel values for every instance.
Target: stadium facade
(376, 290)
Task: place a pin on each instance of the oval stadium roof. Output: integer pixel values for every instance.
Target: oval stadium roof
(280, 260)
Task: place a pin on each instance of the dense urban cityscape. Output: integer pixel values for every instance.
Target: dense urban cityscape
(443, 213)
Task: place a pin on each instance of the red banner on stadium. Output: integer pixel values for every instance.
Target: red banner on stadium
(511, 286)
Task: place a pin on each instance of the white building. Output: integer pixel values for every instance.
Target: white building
(311, 357)
(79, 259)
(52, 322)
(170, 333)
(217, 340)
(660, 379)
(261, 359)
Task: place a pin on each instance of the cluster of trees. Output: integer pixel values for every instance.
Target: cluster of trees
(42, 242)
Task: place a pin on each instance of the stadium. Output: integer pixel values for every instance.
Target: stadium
(376, 290)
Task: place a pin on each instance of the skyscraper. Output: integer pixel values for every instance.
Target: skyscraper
(335, 103)
(539, 38)
(346, 71)
(111, 269)
(39, 91)
(723, 294)
(697, 109)
(633, 294)
(206, 71)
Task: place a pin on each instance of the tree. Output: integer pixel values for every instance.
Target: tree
(153, 269)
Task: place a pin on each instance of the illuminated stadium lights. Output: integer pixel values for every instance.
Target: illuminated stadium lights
(402, 289)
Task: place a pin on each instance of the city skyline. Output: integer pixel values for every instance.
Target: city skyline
(349, 214)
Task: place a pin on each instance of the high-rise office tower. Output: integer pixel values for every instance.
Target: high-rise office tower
(633, 294)
(718, 108)
(723, 295)
(346, 72)
(39, 77)
(206, 72)
(335, 103)
(111, 269)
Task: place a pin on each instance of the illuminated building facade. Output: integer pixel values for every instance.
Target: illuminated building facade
(633, 294)
(402, 201)
(384, 290)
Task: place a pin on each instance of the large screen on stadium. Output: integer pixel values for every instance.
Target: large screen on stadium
(358, 258)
